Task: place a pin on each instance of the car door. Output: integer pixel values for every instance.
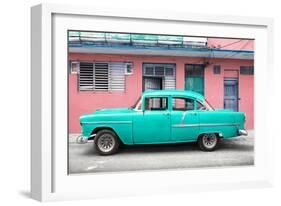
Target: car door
(152, 124)
(184, 120)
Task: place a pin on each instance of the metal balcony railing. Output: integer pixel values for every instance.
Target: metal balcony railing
(79, 38)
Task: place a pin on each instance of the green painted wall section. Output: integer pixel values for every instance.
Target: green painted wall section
(195, 84)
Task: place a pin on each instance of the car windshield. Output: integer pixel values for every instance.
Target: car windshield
(208, 105)
(137, 104)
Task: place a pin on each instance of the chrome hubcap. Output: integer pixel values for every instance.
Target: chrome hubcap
(209, 140)
(106, 143)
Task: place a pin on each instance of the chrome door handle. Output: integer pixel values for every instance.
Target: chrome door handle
(193, 113)
(166, 113)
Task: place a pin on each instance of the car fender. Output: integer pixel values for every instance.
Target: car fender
(123, 131)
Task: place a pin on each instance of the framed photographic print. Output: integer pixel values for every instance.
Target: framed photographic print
(137, 102)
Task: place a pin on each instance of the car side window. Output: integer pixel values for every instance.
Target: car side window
(183, 104)
(156, 103)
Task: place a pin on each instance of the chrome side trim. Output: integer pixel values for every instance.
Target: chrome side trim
(203, 125)
(109, 122)
(183, 117)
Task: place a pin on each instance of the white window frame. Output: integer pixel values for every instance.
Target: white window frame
(111, 85)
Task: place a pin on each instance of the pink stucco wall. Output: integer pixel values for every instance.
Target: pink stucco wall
(231, 44)
(214, 86)
(88, 101)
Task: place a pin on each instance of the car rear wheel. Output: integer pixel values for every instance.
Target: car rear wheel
(106, 142)
(208, 142)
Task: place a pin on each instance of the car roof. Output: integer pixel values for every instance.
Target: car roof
(178, 93)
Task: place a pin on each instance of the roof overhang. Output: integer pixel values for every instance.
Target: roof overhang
(186, 52)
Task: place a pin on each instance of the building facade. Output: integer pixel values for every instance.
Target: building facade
(110, 76)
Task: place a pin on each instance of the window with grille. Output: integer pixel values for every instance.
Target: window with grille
(165, 71)
(194, 70)
(159, 71)
(247, 70)
(169, 71)
(217, 69)
(149, 70)
(102, 76)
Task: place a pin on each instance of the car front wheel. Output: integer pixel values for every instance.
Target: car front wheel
(106, 142)
(208, 142)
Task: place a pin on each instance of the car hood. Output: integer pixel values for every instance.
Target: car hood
(105, 113)
(113, 111)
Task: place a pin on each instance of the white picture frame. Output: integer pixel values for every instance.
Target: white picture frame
(49, 178)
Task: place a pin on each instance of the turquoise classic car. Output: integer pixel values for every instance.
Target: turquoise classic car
(161, 117)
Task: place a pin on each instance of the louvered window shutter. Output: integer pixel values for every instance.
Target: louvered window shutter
(165, 71)
(169, 82)
(117, 76)
(85, 78)
(101, 76)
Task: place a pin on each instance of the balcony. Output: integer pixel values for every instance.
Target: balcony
(143, 44)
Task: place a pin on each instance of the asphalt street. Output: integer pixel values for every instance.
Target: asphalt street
(231, 152)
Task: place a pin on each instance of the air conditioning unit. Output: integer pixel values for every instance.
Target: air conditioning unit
(129, 68)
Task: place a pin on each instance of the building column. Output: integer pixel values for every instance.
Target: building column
(180, 75)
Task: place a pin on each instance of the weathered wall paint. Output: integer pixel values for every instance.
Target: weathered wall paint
(214, 86)
(88, 101)
(231, 44)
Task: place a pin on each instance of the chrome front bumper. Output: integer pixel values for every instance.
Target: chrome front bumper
(82, 139)
(243, 132)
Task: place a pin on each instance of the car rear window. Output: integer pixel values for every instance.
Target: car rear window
(183, 104)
